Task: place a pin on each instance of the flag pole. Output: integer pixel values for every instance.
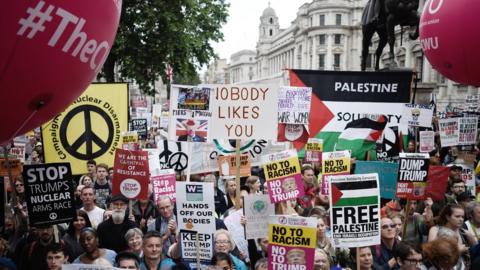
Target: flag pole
(237, 173)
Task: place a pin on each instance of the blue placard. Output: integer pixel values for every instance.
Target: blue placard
(387, 173)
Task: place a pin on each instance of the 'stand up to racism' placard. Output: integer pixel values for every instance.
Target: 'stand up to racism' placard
(284, 179)
(354, 215)
(244, 112)
(333, 163)
(291, 242)
(49, 193)
(412, 176)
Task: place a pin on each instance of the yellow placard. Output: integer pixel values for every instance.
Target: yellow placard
(90, 128)
(292, 236)
(336, 166)
(282, 168)
(314, 147)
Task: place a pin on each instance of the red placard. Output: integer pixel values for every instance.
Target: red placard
(130, 177)
(437, 182)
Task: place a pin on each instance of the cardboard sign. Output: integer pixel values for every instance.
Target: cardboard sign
(337, 162)
(18, 151)
(196, 208)
(355, 210)
(427, 141)
(449, 131)
(14, 164)
(387, 174)
(468, 130)
(417, 115)
(90, 128)
(284, 179)
(257, 208)
(140, 126)
(190, 113)
(437, 182)
(294, 105)
(130, 176)
(228, 165)
(207, 154)
(412, 176)
(291, 242)
(313, 150)
(163, 182)
(49, 192)
(244, 112)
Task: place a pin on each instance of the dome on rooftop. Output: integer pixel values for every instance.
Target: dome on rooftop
(269, 12)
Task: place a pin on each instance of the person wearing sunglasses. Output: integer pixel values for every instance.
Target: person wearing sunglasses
(409, 256)
(386, 260)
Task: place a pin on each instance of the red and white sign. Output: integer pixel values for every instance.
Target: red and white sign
(130, 177)
(164, 184)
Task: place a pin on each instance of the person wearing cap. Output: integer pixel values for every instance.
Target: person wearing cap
(111, 232)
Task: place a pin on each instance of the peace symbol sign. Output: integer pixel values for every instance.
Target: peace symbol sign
(178, 161)
(88, 137)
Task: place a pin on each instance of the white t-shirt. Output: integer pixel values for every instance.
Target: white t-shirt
(95, 215)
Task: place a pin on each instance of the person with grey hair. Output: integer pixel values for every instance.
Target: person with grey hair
(134, 238)
(165, 223)
(224, 243)
(473, 224)
(261, 264)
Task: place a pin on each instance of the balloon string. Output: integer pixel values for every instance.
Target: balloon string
(23, 124)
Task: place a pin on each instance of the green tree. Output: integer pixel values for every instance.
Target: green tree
(153, 33)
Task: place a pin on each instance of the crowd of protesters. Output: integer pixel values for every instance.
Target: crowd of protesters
(440, 234)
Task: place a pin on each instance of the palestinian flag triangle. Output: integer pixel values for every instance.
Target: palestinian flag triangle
(361, 135)
(354, 193)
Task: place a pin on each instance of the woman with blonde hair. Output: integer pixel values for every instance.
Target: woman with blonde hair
(254, 184)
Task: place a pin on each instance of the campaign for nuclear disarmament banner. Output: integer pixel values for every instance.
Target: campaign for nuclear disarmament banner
(412, 176)
(355, 210)
(195, 209)
(244, 112)
(163, 184)
(90, 128)
(449, 131)
(291, 242)
(427, 141)
(131, 174)
(294, 105)
(417, 115)
(49, 193)
(283, 176)
(313, 150)
(190, 113)
(257, 209)
(339, 97)
(337, 162)
(387, 174)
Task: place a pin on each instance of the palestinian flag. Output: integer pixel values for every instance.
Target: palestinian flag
(361, 135)
(354, 193)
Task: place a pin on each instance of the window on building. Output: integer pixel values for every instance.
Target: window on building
(322, 39)
(311, 61)
(419, 67)
(368, 62)
(338, 39)
(271, 32)
(338, 19)
(311, 21)
(271, 20)
(322, 19)
(321, 61)
(336, 61)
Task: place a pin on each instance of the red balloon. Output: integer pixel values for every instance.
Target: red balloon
(50, 51)
(449, 36)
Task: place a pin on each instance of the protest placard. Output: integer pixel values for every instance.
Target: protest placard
(131, 174)
(337, 162)
(387, 174)
(417, 115)
(163, 183)
(257, 208)
(313, 150)
(427, 141)
(130, 140)
(472, 103)
(78, 266)
(14, 164)
(196, 208)
(18, 151)
(291, 242)
(236, 230)
(140, 126)
(412, 176)
(228, 165)
(294, 105)
(468, 130)
(468, 177)
(449, 131)
(437, 182)
(190, 113)
(49, 192)
(354, 212)
(389, 146)
(244, 112)
(156, 115)
(284, 179)
(170, 155)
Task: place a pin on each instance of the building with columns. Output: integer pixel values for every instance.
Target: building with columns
(327, 35)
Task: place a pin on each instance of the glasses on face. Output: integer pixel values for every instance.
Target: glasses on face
(222, 242)
(19, 185)
(413, 261)
(386, 226)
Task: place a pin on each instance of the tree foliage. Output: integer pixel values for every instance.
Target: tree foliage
(153, 33)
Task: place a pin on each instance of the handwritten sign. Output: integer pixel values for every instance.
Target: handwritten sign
(294, 105)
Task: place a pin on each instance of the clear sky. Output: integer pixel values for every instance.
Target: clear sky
(241, 30)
